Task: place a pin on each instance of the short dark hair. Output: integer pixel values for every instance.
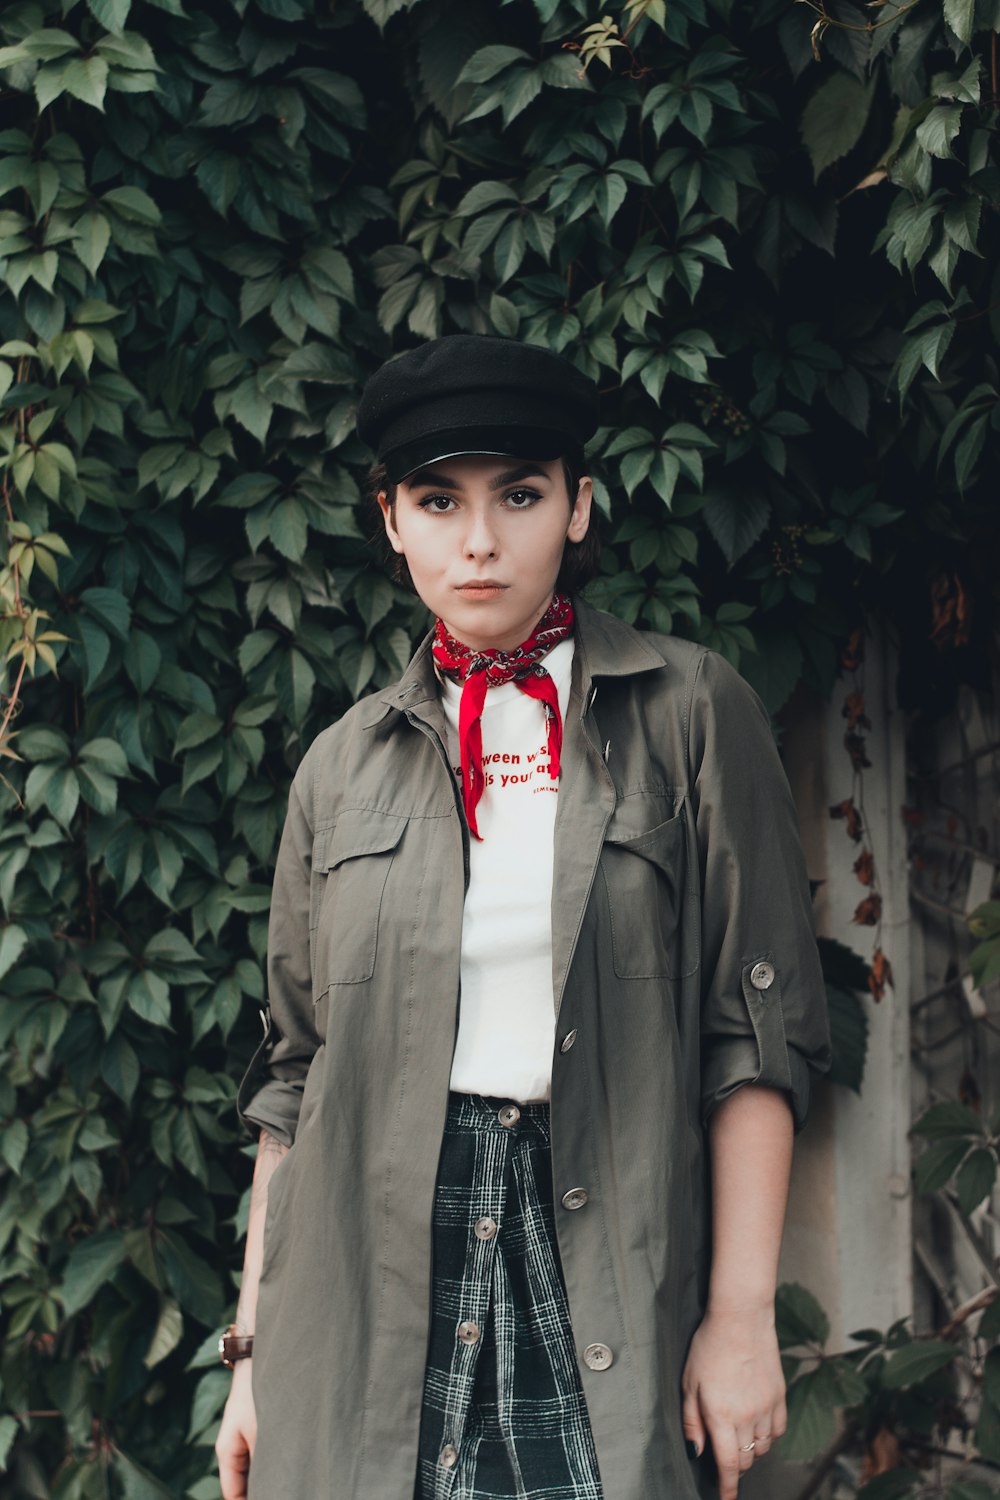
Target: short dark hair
(580, 560)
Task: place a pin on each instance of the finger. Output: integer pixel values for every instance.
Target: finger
(694, 1428)
(779, 1420)
(746, 1446)
(727, 1458)
(227, 1478)
(762, 1433)
(233, 1469)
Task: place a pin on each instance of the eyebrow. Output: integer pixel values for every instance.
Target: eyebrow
(510, 476)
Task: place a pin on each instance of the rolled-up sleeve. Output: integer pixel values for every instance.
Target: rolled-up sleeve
(270, 1094)
(763, 1004)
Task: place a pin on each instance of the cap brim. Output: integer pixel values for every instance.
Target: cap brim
(498, 442)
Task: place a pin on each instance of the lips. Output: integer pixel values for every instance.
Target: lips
(480, 585)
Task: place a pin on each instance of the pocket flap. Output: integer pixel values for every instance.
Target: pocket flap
(357, 831)
(659, 845)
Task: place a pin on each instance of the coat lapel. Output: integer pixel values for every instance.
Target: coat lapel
(586, 802)
(605, 647)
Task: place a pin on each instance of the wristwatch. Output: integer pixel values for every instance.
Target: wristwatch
(234, 1345)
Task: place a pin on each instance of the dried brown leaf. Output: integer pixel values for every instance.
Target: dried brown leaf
(855, 746)
(868, 911)
(853, 653)
(854, 711)
(880, 976)
(851, 815)
(881, 1454)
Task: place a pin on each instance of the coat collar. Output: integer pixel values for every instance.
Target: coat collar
(606, 646)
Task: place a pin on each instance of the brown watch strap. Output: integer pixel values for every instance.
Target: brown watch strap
(234, 1346)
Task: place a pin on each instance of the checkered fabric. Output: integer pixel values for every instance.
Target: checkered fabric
(504, 1414)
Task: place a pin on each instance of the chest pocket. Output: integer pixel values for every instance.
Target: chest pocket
(645, 875)
(350, 866)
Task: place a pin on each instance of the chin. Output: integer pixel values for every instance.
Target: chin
(485, 620)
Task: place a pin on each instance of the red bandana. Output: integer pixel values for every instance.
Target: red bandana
(479, 670)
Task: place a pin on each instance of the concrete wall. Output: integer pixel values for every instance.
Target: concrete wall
(848, 1235)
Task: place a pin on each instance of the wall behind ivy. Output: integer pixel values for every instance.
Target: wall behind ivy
(215, 221)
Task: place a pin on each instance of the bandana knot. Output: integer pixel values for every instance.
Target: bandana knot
(479, 670)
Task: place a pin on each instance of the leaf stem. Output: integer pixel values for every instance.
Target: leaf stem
(12, 699)
(818, 1476)
(819, 9)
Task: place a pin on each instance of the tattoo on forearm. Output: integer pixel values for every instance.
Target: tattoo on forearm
(269, 1153)
(267, 1145)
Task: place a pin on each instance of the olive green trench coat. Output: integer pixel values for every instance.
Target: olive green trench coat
(678, 869)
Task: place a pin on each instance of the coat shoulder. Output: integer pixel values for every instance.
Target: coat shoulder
(614, 647)
(614, 644)
(340, 747)
(351, 724)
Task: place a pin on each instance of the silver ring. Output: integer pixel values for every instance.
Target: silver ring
(749, 1447)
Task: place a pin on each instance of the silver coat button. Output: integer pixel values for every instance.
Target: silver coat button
(509, 1115)
(448, 1456)
(598, 1357)
(468, 1332)
(575, 1198)
(485, 1228)
(762, 975)
(568, 1040)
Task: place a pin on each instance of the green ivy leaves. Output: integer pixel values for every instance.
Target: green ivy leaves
(886, 1379)
(661, 463)
(959, 1147)
(60, 775)
(56, 63)
(834, 119)
(509, 79)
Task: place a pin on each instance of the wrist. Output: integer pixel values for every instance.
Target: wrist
(744, 1307)
(235, 1346)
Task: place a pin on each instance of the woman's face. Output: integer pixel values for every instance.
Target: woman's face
(483, 538)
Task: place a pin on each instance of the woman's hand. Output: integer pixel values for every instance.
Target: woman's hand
(734, 1389)
(237, 1435)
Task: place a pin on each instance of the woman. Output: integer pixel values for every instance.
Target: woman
(540, 935)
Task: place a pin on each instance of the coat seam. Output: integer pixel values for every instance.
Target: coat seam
(610, 1262)
(693, 671)
(387, 1196)
(557, 996)
(390, 812)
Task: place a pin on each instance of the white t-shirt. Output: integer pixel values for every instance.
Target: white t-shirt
(506, 1023)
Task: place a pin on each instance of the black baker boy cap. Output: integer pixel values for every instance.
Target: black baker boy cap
(475, 393)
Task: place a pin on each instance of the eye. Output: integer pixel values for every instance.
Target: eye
(438, 505)
(521, 499)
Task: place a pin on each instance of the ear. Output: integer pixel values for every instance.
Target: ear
(579, 518)
(389, 522)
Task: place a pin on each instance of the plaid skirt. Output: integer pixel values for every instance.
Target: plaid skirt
(503, 1416)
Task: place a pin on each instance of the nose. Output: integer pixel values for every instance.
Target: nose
(481, 541)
